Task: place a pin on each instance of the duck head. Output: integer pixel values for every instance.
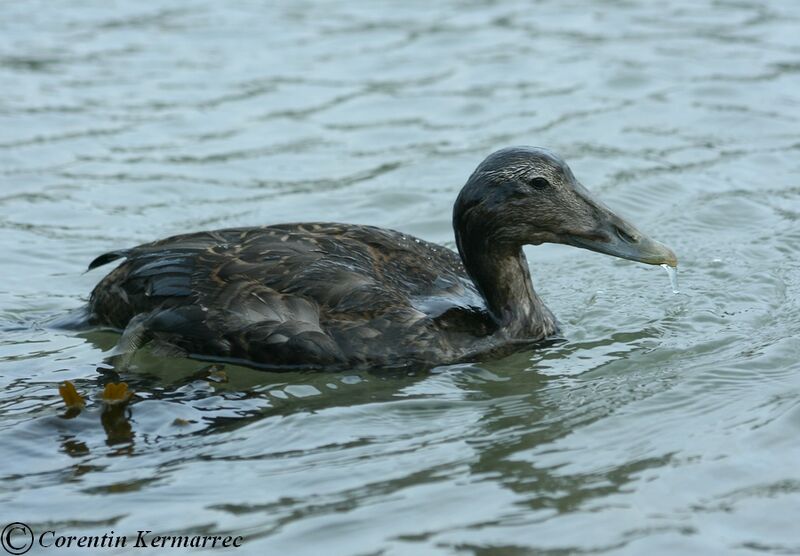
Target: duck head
(528, 196)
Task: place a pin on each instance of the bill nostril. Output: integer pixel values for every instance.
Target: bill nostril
(624, 236)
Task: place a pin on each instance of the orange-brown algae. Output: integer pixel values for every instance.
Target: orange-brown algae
(116, 393)
(70, 395)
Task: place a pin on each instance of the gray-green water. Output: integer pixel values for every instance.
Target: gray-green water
(666, 424)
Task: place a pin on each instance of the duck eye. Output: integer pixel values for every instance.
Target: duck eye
(539, 183)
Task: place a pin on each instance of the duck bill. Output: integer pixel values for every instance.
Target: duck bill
(645, 250)
(614, 236)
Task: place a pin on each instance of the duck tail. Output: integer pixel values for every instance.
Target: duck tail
(106, 258)
(76, 319)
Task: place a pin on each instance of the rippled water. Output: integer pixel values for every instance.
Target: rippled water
(666, 424)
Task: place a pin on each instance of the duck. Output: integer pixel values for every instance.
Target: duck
(334, 296)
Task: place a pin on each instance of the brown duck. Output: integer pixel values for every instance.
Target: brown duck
(341, 296)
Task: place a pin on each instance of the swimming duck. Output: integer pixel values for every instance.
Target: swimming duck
(342, 296)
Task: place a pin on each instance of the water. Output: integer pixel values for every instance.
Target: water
(672, 272)
(665, 424)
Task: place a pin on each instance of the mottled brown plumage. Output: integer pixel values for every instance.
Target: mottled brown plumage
(336, 296)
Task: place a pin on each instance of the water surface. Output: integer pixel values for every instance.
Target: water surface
(665, 424)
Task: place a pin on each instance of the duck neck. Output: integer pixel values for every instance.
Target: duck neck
(501, 274)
